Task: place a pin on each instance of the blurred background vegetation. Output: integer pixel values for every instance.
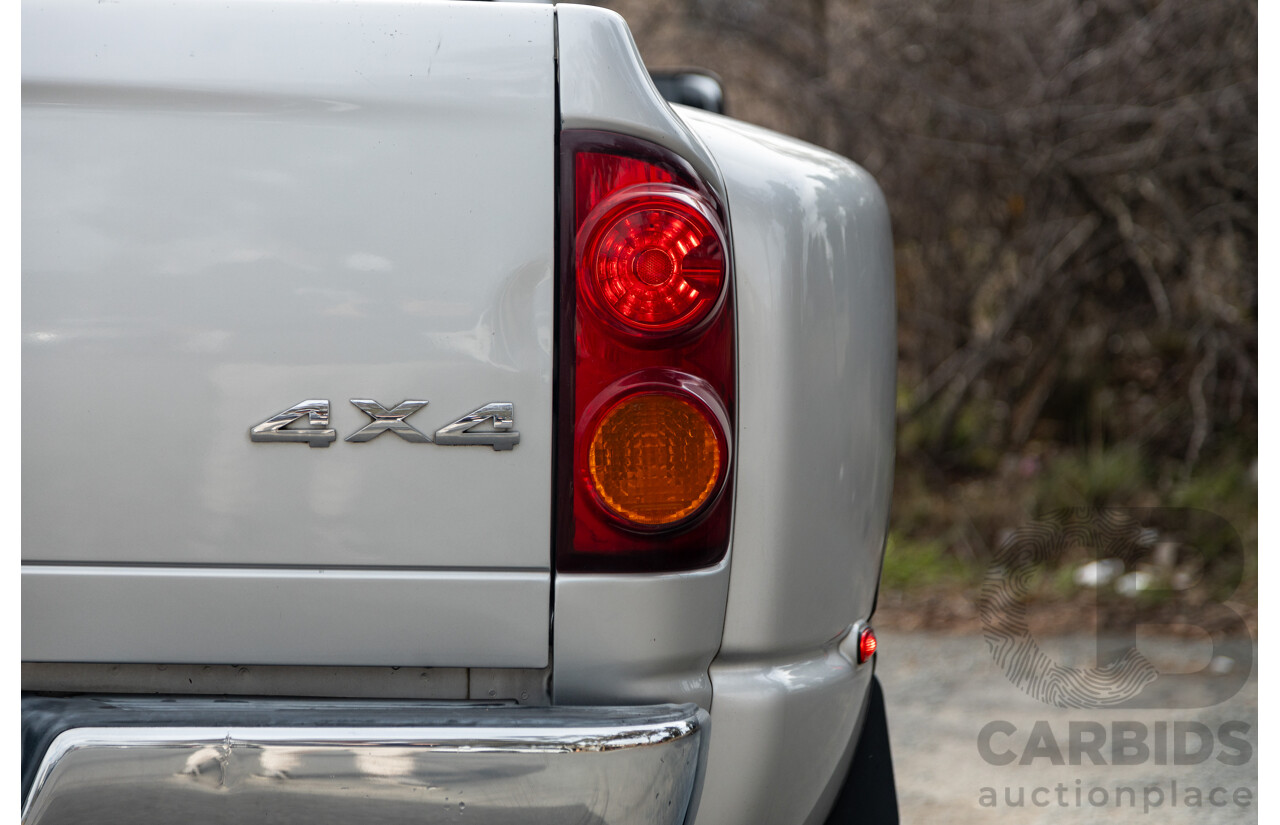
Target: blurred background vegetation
(1074, 192)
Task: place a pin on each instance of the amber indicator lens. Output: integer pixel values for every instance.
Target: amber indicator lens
(655, 459)
(654, 261)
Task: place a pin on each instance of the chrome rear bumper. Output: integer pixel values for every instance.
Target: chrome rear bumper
(165, 761)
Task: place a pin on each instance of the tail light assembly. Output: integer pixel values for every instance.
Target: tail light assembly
(645, 361)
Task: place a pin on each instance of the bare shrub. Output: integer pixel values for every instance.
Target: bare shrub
(1074, 192)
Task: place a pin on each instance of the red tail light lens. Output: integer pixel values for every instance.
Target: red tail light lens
(645, 399)
(652, 260)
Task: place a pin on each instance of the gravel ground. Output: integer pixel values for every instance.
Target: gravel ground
(941, 690)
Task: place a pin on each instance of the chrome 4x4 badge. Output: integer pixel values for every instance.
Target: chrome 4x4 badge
(460, 433)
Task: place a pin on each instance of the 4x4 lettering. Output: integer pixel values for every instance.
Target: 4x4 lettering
(502, 435)
(385, 420)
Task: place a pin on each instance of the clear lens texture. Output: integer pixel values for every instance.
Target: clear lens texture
(655, 459)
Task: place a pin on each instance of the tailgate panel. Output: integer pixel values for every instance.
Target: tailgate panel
(231, 208)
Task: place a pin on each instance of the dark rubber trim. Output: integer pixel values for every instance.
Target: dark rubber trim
(869, 794)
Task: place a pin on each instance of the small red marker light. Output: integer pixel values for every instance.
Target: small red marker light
(866, 644)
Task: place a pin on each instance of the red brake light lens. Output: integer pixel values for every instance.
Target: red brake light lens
(653, 260)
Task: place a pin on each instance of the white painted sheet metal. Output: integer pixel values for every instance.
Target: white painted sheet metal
(284, 617)
(230, 208)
